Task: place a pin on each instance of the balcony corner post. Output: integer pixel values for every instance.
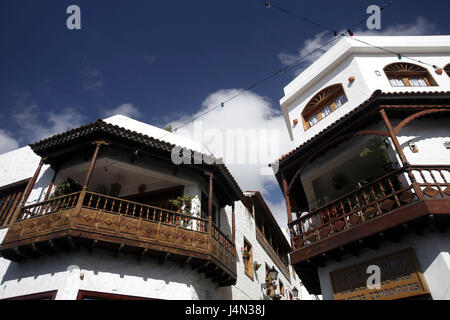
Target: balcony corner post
(98, 144)
(233, 223)
(393, 136)
(27, 192)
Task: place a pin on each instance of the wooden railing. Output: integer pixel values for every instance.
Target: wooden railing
(49, 206)
(394, 190)
(96, 201)
(138, 210)
(222, 239)
(279, 261)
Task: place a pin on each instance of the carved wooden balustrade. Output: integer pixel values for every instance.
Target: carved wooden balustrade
(123, 226)
(386, 194)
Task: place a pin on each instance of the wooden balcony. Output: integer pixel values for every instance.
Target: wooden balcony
(406, 199)
(280, 263)
(98, 221)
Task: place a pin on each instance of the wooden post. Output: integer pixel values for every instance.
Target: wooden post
(233, 225)
(93, 161)
(402, 156)
(391, 131)
(50, 187)
(27, 192)
(288, 202)
(210, 194)
(32, 182)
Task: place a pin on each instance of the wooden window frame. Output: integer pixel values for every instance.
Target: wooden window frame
(248, 264)
(313, 108)
(406, 75)
(447, 69)
(10, 196)
(107, 296)
(37, 296)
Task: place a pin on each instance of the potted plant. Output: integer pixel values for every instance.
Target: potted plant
(183, 204)
(66, 187)
(246, 255)
(379, 147)
(256, 265)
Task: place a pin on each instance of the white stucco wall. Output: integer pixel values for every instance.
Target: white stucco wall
(125, 274)
(351, 58)
(107, 274)
(432, 252)
(246, 288)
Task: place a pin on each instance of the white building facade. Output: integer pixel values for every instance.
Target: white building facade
(123, 238)
(373, 133)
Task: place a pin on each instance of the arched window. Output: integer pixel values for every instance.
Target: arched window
(447, 69)
(322, 104)
(403, 74)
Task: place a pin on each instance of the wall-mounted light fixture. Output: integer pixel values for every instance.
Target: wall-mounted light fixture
(413, 147)
(447, 144)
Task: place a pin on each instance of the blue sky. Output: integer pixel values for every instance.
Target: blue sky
(162, 61)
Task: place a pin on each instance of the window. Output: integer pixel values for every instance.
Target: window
(408, 75)
(323, 104)
(247, 255)
(92, 295)
(9, 199)
(447, 69)
(49, 295)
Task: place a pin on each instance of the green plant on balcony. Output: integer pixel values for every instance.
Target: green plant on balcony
(66, 187)
(183, 204)
(246, 255)
(378, 147)
(256, 265)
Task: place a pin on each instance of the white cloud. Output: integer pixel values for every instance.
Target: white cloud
(251, 113)
(7, 143)
(279, 212)
(92, 81)
(125, 109)
(34, 125)
(420, 27)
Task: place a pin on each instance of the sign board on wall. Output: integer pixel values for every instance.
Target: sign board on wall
(401, 277)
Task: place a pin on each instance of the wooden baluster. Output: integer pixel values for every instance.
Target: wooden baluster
(90, 196)
(376, 200)
(436, 183)
(422, 176)
(383, 192)
(442, 175)
(97, 204)
(359, 207)
(393, 190)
